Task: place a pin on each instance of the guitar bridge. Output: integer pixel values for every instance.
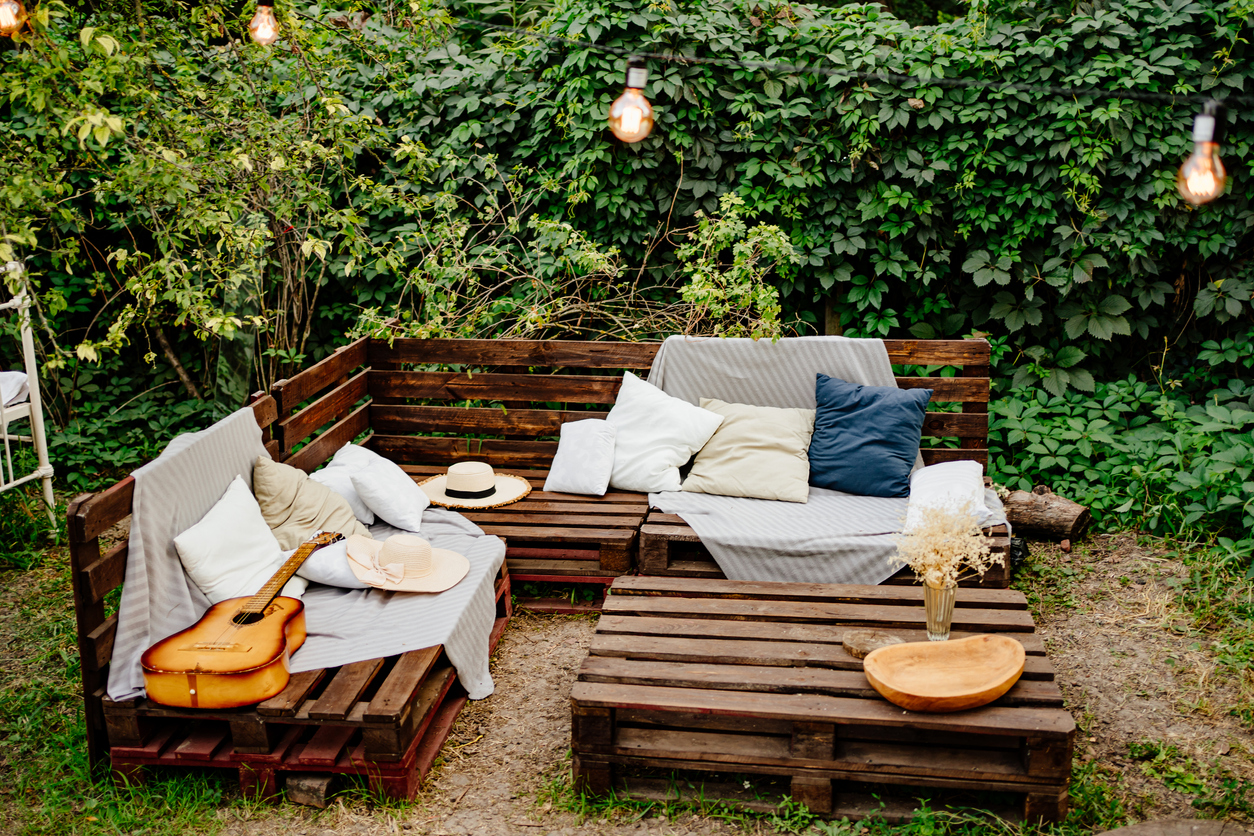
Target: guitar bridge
(220, 647)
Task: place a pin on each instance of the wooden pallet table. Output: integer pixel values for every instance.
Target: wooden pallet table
(741, 677)
(384, 719)
(670, 548)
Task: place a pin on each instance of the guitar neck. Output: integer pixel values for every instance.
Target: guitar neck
(267, 593)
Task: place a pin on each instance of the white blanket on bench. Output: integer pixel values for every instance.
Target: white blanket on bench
(834, 537)
(176, 489)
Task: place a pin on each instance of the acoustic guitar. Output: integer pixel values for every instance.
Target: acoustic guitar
(238, 652)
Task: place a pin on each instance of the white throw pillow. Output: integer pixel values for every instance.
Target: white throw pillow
(338, 476)
(584, 459)
(231, 552)
(655, 434)
(329, 565)
(949, 485)
(384, 488)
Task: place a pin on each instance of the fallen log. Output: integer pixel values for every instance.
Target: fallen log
(1045, 514)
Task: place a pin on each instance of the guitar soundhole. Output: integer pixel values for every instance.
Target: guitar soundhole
(242, 618)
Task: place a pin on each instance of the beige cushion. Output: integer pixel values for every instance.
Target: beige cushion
(758, 451)
(295, 506)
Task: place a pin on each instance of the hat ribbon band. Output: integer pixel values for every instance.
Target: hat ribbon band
(469, 494)
(376, 573)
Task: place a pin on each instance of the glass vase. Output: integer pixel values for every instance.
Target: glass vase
(938, 602)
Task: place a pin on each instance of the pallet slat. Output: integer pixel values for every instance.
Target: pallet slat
(546, 353)
(530, 388)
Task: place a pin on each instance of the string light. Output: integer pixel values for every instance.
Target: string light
(1202, 177)
(12, 16)
(631, 115)
(263, 28)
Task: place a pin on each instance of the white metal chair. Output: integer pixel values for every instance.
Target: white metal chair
(31, 409)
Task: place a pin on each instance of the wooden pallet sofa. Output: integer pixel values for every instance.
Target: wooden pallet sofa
(384, 719)
(428, 403)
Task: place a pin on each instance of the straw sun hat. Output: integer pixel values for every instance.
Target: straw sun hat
(405, 563)
(474, 485)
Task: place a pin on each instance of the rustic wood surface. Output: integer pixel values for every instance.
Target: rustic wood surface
(745, 677)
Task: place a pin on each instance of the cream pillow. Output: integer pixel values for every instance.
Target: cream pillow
(231, 552)
(653, 435)
(295, 506)
(758, 451)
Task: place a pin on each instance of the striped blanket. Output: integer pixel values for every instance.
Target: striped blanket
(176, 489)
(834, 537)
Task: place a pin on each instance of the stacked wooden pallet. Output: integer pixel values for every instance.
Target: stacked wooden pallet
(731, 676)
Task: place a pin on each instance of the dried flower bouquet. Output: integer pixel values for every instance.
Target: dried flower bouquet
(945, 546)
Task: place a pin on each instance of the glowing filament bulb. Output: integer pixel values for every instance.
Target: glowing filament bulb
(263, 28)
(12, 16)
(631, 115)
(1202, 177)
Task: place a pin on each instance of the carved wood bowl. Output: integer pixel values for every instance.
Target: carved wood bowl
(939, 677)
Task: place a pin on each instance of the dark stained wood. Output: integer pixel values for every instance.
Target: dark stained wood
(458, 386)
(104, 575)
(332, 406)
(404, 420)
(286, 702)
(949, 389)
(935, 455)
(938, 352)
(322, 448)
(292, 392)
(344, 690)
(503, 454)
(265, 409)
(91, 515)
(543, 353)
(501, 517)
(398, 691)
(955, 424)
(100, 643)
(561, 534)
(326, 746)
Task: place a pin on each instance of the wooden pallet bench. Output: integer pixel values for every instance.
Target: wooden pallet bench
(382, 718)
(726, 676)
(428, 403)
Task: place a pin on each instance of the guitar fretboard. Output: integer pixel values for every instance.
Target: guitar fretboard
(267, 593)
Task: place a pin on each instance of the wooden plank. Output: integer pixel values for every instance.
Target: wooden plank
(265, 409)
(294, 391)
(950, 389)
(521, 569)
(938, 352)
(548, 353)
(588, 505)
(678, 533)
(326, 746)
(550, 553)
(1042, 722)
(100, 643)
(501, 453)
(711, 628)
(390, 742)
(396, 693)
(289, 700)
(503, 516)
(948, 424)
(201, 743)
(322, 448)
(882, 615)
(104, 575)
(332, 406)
(935, 455)
(772, 679)
(91, 515)
(405, 420)
(754, 652)
(456, 386)
(1008, 599)
(345, 690)
(610, 536)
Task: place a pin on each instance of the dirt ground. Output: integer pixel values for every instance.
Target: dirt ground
(1129, 668)
(1128, 672)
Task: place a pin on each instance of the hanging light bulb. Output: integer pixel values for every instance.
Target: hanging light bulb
(631, 115)
(263, 27)
(1202, 177)
(12, 16)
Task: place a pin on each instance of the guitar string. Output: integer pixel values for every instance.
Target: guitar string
(232, 626)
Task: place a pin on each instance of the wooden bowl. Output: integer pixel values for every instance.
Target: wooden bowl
(945, 676)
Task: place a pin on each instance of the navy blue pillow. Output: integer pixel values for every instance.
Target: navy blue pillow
(865, 437)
